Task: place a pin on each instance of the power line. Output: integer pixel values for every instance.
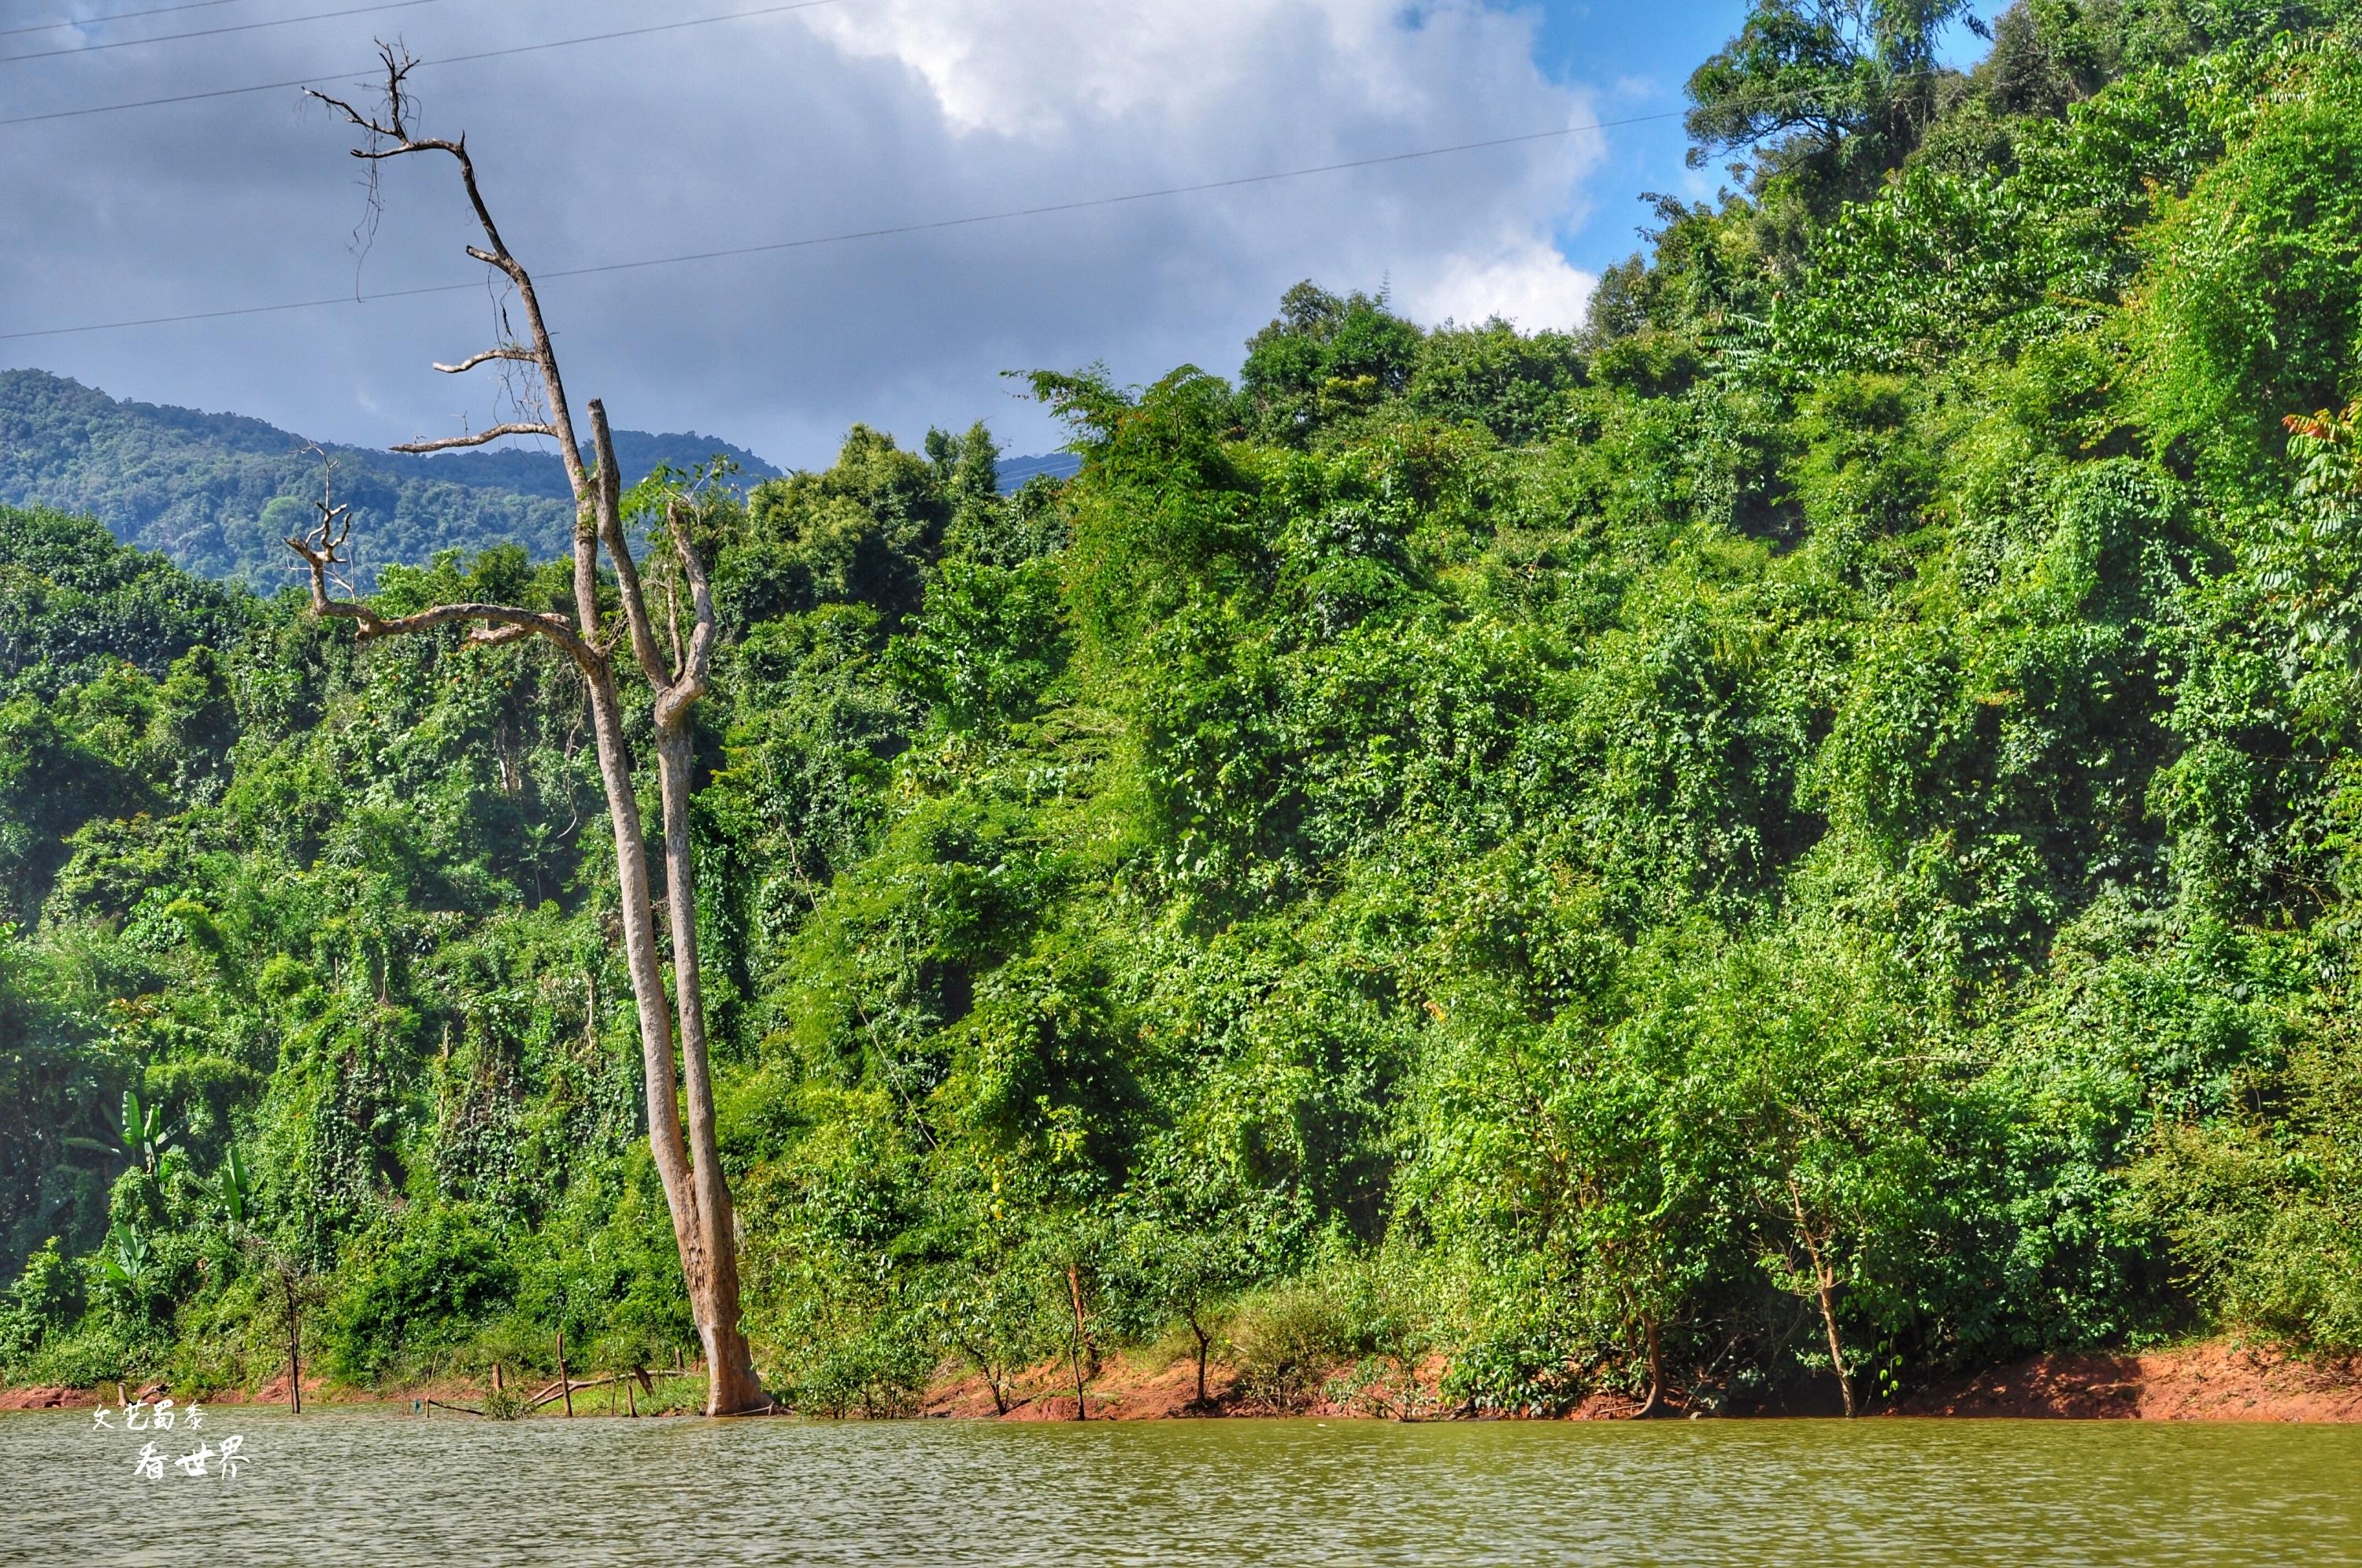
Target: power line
(217, 32)
(853, 235)
(446, 60)
(109, 21)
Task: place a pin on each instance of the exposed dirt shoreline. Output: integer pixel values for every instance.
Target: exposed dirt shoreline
(2214, 1380)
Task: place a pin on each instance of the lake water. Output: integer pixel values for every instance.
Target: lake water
(368, 1486)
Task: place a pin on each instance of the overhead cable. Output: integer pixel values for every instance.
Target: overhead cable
(850, 236)
(217, 32)
(108, 21)
(319, 76)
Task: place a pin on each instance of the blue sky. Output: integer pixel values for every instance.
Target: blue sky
(853, 115)
(1648, 52)
(1643, 55)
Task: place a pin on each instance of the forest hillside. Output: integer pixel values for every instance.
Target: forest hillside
(1799, 829)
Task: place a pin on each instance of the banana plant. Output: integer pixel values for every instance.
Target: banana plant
(144, 1137)
(124, 1262)
(234, 1185)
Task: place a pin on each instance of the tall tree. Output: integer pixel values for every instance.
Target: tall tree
(1829, 93)
(690, 1165)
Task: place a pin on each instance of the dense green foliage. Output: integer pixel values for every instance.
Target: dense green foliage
(216, 492)
(1547, 849)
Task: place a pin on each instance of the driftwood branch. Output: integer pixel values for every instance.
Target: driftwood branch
(555, 1392)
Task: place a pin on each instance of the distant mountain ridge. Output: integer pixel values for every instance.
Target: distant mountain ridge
(1010, 473)
(216, 492)
(528, 471)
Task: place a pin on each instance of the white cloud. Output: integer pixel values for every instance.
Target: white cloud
(1532, 285)
(1220, 88)
(1038, 69)
(871, 114)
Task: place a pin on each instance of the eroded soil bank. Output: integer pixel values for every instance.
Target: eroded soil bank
(2215, 1380)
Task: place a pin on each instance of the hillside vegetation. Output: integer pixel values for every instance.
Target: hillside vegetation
(1806, 826)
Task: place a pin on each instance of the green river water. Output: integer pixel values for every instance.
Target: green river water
(341, 1487)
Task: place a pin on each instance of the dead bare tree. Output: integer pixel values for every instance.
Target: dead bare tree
(691, 1164)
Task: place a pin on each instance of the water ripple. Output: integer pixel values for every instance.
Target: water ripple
(372, 1487)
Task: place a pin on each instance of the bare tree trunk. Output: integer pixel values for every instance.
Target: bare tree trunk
(709, 1258)
(995, 1377)
(1656, 1370)
(1204, 1340)
(734, 1385)
(1826, 1283)
(294, 1347)
(1825, 1288)
(687, 1160)
(1075, 1285)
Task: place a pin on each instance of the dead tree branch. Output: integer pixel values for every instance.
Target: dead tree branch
(321, 548)
(506, 351)
(494, 433)
(391, 137)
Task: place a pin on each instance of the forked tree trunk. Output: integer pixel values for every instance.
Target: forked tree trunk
(689, 1158)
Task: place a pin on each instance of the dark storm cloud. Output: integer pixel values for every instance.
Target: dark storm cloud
(859, 115)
